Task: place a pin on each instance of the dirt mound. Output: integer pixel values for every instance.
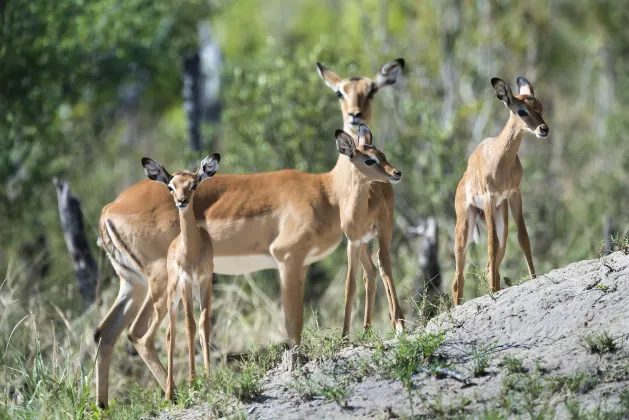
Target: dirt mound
(554, 347)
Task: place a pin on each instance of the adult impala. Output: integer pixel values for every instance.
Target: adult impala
(492, 180)
(285, 220)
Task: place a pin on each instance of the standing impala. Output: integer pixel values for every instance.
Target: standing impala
(189, 263)
(492, 180)
(355, 96)
(284, 220)
(359, 217)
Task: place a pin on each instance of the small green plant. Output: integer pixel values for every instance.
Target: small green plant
(480, 359)
(578, 383)
(621, 243)
(600, 342)
(335, 390)
(602, 287)
(513, 364)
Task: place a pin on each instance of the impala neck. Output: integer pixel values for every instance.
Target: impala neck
(190, 235)
(508, 141)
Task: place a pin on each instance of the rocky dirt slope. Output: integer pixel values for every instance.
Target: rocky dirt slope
(555, 347)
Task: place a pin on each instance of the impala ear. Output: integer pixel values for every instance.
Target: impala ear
(389, 73)
(329, 77)
(345, 144)
(503, 90)
(525, 87)
(364, 135)
(155, 171)
(208, 167)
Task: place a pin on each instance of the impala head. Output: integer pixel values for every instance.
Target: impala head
(370, 161)
(356, 93)
(183, 184)
(525, 105)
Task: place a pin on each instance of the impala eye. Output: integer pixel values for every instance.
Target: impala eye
(370, 162)
(339, 94)
(193, 187)
(522, 113)
(170, 189)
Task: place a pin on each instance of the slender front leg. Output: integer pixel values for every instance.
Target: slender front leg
(515, 203)
(353, 255)
(369, 278)
(385, 229)
(171, 333)
(492, 242)
(205, 323)
(191, 327)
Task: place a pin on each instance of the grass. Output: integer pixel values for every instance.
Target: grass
(577, 383)
(513, 364)
(332, 389)
(480, 359)
(600, 342)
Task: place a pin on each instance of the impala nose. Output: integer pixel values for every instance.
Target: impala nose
(544, 129)
(355, 117)
(182, 202)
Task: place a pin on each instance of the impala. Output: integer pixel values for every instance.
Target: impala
(189, 263)
(492, 181)
(284, 220)
(359, 217)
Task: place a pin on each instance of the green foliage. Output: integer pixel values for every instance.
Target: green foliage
(513, 364)
(480, 358)
(600, 342)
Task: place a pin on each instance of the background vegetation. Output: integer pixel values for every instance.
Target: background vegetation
(89, 87)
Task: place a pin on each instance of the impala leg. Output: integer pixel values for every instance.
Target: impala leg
(292, 276)
(353, 255)
(493, 244)
(502, 222)
(171, 333)
(515, 202)
(369, 278)
(121, 314)
(463, 232)
(502, 229)
(145, 326)
(191, 326)
(386, 272)
(205, 322)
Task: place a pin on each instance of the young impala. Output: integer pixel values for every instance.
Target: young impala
(189, 262)
(359, 217)
(284, 220)
(492, 180)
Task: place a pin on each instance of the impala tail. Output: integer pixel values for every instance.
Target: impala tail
(121, 258)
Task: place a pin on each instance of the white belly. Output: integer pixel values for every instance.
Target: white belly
(244, 264)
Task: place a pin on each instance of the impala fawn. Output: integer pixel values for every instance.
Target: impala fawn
(189, 263)
(492, 181)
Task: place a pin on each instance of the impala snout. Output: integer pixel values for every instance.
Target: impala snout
(355, 117)
(542, 131)
(395, 176)
(182, 202)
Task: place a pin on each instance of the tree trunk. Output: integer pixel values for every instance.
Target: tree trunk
(428, 280)
(192, 104)
(71, 216)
